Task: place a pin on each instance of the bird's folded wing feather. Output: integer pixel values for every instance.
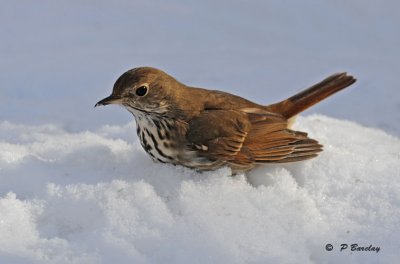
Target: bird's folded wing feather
(247, 136)
(218, 133)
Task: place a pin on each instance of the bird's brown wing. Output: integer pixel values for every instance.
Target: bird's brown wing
(270, 141)
(248, 136)
(218, 134)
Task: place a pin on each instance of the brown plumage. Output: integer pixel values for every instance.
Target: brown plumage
(207, 129)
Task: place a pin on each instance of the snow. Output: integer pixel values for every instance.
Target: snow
(95, 197)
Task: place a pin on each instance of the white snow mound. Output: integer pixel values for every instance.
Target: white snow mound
(95, 197)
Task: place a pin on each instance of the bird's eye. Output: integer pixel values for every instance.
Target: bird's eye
(141, 91)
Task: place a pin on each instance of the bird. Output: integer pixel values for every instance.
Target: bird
(207, 129)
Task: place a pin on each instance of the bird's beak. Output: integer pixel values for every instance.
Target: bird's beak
(109, 100)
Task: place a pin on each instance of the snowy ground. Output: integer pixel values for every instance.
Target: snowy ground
(74, 190)
(95, 196)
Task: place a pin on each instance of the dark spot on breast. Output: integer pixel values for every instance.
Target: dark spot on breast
(169, 125)
(158, 149)
(148, 132)
(145, 144)
(157, 123)
(167, 134)
(160, 134)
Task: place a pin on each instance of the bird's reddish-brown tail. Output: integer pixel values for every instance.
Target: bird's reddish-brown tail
(308, 97)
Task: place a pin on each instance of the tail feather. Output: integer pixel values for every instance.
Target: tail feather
(308, 97)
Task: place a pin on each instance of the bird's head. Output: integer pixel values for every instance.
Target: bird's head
(144, 89)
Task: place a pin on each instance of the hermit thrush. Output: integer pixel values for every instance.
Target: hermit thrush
(206, 129)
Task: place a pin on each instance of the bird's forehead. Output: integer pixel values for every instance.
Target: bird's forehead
(133, 77)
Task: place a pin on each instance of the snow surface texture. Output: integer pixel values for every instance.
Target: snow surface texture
(95, 197)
